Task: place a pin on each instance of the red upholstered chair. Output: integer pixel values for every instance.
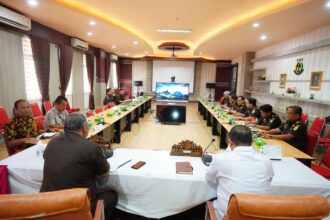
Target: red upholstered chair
(98, 110)
(312, 139)
(324, 169)
(40, 123)
(3, 119)
(47, 105)
(106, 107)
(317, 125)
(36, 112)
(4, 183)
(326, 139)
(10, 151)
(304, 118)
(70, 110)
(89, 113)
(112, 104)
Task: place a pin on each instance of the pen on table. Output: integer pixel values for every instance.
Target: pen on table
(123, 164)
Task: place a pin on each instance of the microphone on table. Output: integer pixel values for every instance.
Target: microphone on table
(207, 159)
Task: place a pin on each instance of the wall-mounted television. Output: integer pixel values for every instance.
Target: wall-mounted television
(172, 92)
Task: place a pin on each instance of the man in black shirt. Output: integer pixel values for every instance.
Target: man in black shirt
(71, 161)
(241, 106)
(233, 102)
(293, 130)
(252, 110)
(269, 120)
(110, 97)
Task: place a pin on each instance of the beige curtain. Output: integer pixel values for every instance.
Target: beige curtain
(139, 73)
(12, 78)
(208, 74)
(77, 80)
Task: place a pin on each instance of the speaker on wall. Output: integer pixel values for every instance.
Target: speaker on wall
(138, 83)
(210, 85)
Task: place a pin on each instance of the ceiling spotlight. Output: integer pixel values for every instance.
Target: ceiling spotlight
(32, 3)
(255, 25)
(135, 42)
(328, 4)
(126, 54)
(89, 33)
(174, 31)
(146, 52)
(263, 37)
(200, 53)
(92, 23)
(113, 46)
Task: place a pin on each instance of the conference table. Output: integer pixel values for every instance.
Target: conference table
(156, 190)
(220, 128)
(113, 121)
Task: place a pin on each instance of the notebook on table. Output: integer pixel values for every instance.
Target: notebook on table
(274, 152)
(184, 168)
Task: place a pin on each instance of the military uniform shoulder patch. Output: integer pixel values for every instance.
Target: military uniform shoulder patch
(296, 127)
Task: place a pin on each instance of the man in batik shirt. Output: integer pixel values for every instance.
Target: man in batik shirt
(21, 131)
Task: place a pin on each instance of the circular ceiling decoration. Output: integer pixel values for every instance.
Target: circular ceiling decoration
(173, 46)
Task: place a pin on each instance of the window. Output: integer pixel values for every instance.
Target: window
(31, 82)
(114, 75)
(87, 88)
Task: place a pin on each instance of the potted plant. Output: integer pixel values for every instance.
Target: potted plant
(292, 91)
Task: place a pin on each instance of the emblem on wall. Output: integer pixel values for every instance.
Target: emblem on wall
(299, 67)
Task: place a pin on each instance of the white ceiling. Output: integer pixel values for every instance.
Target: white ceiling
(221, 29)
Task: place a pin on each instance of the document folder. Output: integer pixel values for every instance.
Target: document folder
(184, 168)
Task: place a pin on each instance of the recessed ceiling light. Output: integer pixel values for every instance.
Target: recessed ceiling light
(32, 2)
(174, 31)
(263, 37)
(126, 54)
(328, 4)
(255, 25)
(200, 53)
(92, 23)
(135, 42)
(146, 52)
(113, 46)
(89, 33)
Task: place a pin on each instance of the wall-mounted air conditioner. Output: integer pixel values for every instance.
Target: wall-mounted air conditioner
(14, 19)
(79, 44)
(113, 57)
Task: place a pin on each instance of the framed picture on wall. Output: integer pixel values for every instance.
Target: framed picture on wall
(316, 80)
(282, 83)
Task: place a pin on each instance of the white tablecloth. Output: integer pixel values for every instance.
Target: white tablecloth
(155, 190)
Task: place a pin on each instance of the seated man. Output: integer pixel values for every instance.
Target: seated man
(110, 97)
(71, 161)
(225, 100)
(269, 120)
(241, 106)
(243, 170)
(122, 96)
(233, 102)
(293, 130)
(252, 110)
(55, 116)
(21, 131)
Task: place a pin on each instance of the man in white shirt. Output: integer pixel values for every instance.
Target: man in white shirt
(243, 170)
(55, 117)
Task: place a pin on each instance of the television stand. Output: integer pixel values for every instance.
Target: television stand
(171, 123)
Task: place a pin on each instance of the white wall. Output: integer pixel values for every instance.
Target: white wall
(314, 60)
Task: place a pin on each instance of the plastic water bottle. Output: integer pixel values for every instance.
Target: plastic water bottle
(233, 121)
